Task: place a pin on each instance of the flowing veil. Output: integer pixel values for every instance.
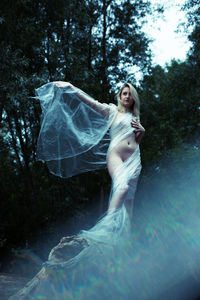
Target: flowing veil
(73, 137)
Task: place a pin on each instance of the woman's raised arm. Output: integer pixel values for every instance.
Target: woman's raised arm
(102, 108)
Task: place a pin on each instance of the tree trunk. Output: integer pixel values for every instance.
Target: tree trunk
(104, 58)
(90, 49)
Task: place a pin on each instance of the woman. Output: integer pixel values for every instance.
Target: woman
(125, 135)
(121, 150)
(72, 140)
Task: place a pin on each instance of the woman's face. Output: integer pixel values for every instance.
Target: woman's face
(126, 98)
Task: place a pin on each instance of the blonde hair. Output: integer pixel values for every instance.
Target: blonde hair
(136, 105)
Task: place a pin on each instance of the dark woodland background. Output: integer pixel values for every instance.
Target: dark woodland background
(92, 44)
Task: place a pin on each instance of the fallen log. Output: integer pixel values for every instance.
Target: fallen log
(67, 248)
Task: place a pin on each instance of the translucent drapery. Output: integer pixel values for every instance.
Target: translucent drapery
(73, 137)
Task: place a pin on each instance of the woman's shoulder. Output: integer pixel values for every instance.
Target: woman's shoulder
(113, 106)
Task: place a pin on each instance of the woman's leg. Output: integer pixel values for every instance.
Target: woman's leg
(129, 207)
(129, 199)
(120, 188)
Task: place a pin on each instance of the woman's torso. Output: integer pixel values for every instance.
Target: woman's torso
(123, 142)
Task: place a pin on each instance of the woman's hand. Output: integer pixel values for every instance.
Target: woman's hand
(62, 84)
(139, 131)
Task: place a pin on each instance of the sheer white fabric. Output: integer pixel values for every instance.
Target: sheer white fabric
(73, 137)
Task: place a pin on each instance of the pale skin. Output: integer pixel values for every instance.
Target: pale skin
(123, 149)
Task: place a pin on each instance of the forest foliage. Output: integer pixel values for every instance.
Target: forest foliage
(95, 45)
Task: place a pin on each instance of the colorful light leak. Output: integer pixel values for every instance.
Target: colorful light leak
(161, 260)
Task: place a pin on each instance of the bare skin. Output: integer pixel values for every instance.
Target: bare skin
(124, 149)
